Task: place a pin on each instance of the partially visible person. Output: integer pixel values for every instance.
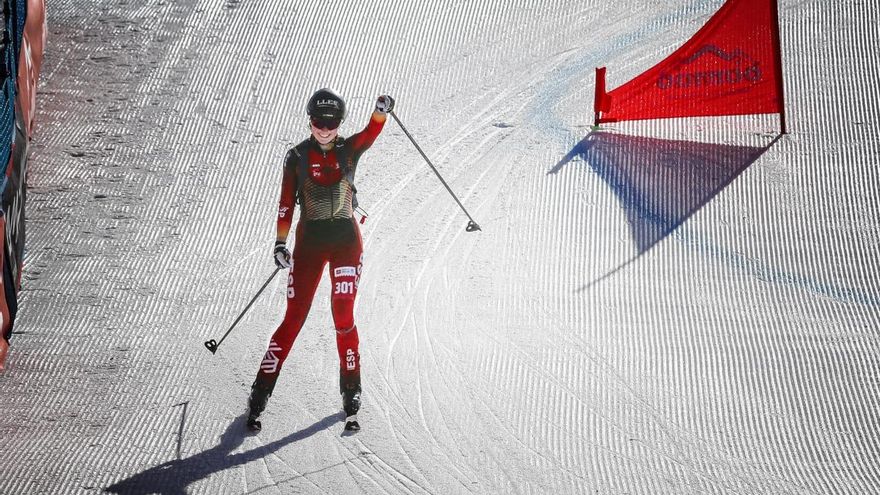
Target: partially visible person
(4, 350)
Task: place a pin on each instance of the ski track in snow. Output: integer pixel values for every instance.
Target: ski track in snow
(737, 355)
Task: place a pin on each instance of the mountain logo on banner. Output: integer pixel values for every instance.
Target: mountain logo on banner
(731, 66)
(744, 70)
(718, 52)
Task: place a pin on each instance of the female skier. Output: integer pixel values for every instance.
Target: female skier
(319, 174)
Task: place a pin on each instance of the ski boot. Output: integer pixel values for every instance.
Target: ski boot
(260, 393)
(350, 388)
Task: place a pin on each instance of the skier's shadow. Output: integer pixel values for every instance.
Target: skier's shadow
(660, 183)
(173, 477)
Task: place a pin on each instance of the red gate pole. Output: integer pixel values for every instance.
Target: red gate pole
(600, 94)
(778, 55)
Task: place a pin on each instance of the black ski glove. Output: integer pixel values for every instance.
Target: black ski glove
(281, 255)
(384, 104)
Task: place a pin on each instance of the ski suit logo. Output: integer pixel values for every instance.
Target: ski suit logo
(350, 361)
(270, 360)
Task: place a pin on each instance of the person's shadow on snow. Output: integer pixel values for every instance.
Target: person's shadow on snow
(174, 476)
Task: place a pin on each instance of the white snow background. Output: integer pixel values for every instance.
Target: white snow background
(545, 354)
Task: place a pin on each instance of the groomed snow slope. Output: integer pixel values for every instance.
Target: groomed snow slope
(569, 347)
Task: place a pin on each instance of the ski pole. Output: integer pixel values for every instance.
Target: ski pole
(212, 344)
(472, 225)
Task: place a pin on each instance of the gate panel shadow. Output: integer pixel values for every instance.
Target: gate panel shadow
(660, 183)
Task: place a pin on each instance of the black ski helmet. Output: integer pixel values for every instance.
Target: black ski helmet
(326, 104)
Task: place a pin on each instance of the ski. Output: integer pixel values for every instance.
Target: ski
(351, 424)
(254, 424)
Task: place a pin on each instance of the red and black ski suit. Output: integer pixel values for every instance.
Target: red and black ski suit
(326, 233)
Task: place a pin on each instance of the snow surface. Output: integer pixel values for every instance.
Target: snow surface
(575, 345)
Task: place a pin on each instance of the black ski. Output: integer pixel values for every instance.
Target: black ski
(254, 424)
(351, 424)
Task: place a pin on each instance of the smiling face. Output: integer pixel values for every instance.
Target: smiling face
(324, 130)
